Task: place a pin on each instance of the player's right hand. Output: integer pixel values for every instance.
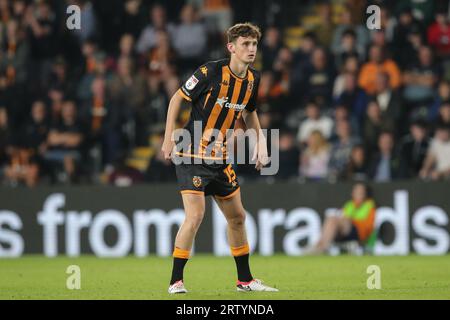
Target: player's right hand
(167, 149)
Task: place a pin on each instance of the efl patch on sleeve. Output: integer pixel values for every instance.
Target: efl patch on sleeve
(191, 83)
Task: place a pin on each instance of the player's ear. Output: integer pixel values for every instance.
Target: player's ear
(230, 47)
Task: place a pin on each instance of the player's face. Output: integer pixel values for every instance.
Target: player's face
(359, 193)
(245, 49)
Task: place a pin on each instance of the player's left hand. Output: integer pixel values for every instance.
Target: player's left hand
(260, 155)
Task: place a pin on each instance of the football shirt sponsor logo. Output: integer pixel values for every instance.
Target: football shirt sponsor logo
(223, 102)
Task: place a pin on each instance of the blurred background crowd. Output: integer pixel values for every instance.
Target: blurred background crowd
(89, 105)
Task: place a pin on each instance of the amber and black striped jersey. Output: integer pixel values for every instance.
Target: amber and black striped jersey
(218, 99)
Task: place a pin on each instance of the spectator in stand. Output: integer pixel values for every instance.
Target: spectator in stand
(26, 159)
(314, 121)
(134, 17)
(388, 99)
(444, 115)
(319, 78)
(378, 38)
(437, 161)
(127, 93)
(416, 40)
(87, 19)
(126, 50)
(14, 57)
(325, 29)
(189, 40)
(315, 157)
(100, 119)
(356, 168)
(420, 79)
(5, 138)
(22, 168)
(289, 156)
(40, 21)
(354, 98)
(148, 38)
(442, 95)
(301, 60)
(342, 113)
(89, 50)
(413, 150)
(351, 65)
(56, 99)
(64, 142)
(123, 175)
(341, 148)
(374, 124)
(274, 86)
(346, 24)
(384, 165)
(160, 169)
(218, 15)
(270, 46)
(84, 92)
(162, 61)
(378, 63)
(439, 34)
(18, 9)
(348, 48)
(33, 134)
(406, 24)
(60, 77)
(388, 22)
(16, 53)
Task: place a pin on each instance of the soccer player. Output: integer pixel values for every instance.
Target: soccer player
(221, 92)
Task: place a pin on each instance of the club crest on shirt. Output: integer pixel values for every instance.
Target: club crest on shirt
(191, 83)
(250, 86)
(197, 181)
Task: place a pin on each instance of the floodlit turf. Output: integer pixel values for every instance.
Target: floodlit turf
(207, 277)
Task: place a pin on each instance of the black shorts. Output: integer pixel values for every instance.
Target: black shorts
(219, 181)
(351, 236)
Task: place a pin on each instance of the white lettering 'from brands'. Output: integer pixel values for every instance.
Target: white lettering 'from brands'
(223, 102)
(300, 226)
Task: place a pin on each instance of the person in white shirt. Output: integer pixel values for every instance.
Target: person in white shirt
(437, 162)
(314, 159)
(314, 121)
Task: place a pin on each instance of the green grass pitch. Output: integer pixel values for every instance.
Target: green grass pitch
(207, 277)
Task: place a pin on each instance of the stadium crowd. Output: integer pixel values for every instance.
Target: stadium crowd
(350, 103)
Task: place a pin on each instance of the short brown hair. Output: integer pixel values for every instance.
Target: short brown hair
(245, 30)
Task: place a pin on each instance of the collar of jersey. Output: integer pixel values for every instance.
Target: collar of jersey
(236, 76)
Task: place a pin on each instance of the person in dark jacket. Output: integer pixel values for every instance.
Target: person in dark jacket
(384, 165)
(413, 150)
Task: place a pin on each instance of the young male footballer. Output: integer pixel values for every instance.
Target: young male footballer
(221, 92)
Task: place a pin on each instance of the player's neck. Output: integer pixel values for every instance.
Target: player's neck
(239, 68)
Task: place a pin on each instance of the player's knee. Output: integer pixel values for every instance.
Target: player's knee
(332, 219)
(195, 220)
(238, 220)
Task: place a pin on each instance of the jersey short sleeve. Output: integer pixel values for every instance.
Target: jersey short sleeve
(251, 106)
(197, 84)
